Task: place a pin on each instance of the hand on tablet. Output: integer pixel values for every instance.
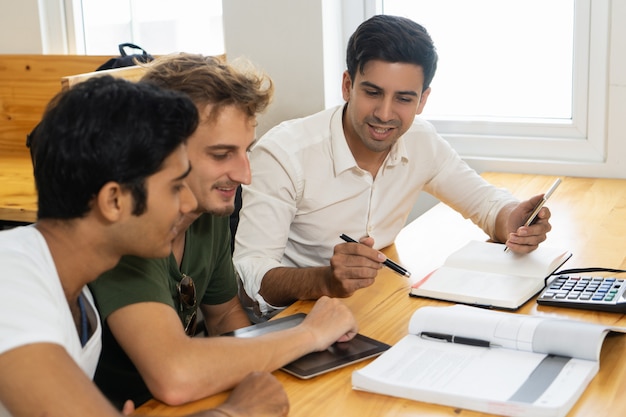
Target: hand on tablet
(330, 321)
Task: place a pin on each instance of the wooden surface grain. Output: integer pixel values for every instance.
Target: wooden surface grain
(27, 83)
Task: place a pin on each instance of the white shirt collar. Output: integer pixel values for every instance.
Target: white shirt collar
(342, 156)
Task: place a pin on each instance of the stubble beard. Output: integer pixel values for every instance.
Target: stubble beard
(222, 212)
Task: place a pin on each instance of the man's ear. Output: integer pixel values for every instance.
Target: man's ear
(423, 99)
(111, 201)
(346, 86)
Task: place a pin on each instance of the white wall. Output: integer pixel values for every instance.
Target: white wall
(300, 44)
(284, 38)
(33, 27)
(20, 31)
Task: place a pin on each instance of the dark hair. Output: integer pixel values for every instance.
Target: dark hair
(101, 130)
(391, 39)
(209, 80)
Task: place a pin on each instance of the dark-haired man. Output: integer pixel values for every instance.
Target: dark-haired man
(358, 169)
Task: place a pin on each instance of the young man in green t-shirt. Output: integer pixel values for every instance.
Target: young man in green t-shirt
(149, 306)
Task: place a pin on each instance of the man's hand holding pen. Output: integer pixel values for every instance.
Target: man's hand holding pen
(528, 223)
(355, 265)
(522, 238)
(397, 268)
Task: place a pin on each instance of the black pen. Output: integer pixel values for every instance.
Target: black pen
(442, 337)
(388, 262)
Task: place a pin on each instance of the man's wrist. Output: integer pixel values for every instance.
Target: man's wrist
(325, 281)
(501, 234)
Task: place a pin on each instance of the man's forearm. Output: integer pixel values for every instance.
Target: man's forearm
(224, 317)
(283, 286)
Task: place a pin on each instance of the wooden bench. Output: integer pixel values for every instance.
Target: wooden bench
(27, 83)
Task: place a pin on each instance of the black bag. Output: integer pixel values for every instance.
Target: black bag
(125, 60)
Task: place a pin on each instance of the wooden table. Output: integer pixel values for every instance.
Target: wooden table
(18, 195)
(589, 218)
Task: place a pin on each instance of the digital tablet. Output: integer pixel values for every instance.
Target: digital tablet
(316, 363)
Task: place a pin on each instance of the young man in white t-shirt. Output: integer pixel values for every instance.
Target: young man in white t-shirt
(110, 162)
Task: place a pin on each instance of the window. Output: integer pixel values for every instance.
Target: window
(516, 78)
(513, 62)
(159, 26)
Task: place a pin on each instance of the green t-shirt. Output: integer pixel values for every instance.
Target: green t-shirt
(207, 259)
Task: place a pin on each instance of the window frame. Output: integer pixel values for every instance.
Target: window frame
(73, 19)
(581, 139)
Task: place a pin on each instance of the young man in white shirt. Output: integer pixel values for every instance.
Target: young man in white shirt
(358, 169)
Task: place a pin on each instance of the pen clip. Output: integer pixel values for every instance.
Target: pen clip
(437, 337)
(443, 337)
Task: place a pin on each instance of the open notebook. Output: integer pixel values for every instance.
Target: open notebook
(483, 274)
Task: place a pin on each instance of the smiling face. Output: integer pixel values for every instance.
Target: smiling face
(218, 151)
(382, 100)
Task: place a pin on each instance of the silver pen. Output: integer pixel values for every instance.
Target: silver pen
(539, 205)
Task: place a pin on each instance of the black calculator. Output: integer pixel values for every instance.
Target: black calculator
(586, 292)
